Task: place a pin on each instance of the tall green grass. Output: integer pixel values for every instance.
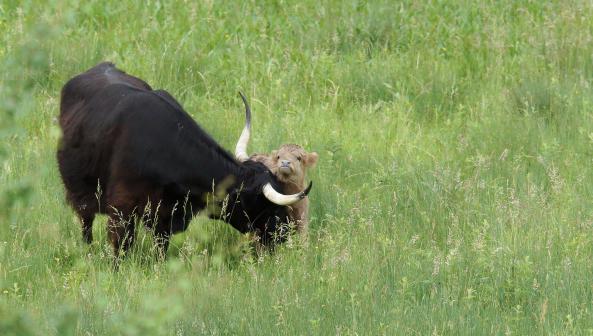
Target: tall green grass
(452, 196)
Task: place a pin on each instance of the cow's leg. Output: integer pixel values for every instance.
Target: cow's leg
(163, 231)
(173, 217)
(161, 239)
(121, 233)
(87, 227)
(81, 196)
(85, 205)
(122, 211)
(80, 192)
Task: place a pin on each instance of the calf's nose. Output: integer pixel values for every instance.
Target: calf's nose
(285, 163)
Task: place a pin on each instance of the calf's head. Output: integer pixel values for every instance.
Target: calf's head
(290, 162)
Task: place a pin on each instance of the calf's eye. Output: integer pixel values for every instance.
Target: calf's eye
(299, 158)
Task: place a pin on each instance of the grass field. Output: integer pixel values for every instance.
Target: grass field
(453, 193)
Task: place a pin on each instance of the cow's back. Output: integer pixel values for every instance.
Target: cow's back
(79, 90)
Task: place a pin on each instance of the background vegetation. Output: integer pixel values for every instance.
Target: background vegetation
(453, 193)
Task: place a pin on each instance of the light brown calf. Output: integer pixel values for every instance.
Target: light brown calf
(289, 163)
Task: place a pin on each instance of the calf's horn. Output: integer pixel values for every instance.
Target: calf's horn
(241, 147)
(277, 198)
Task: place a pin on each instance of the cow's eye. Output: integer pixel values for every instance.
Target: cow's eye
(278, 157)
(299, 158)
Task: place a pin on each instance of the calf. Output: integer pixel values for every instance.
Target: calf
(289, 164)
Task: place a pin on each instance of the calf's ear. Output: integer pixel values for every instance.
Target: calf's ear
(311, 159)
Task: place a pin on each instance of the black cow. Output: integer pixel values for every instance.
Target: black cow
(133, 153)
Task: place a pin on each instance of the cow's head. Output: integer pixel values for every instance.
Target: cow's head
(255, 205)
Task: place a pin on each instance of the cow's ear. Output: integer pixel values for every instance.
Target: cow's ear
(311, 159)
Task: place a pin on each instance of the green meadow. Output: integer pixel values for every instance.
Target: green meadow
(453, 193)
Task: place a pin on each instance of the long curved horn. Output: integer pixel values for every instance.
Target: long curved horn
(277, 198)
(241, 147)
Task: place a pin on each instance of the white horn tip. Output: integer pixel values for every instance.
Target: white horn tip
(280, 199)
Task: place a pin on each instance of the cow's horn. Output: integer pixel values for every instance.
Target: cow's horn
(277, 198)
(241, 148)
